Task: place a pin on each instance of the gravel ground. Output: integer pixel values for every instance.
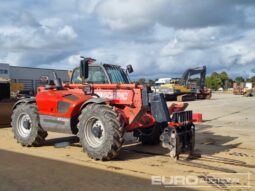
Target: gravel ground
(225, 141)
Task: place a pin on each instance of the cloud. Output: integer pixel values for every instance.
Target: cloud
(33, 34)
(136, 15)
(160, 38)
(189, 48)
(88, 6)
(28, 40)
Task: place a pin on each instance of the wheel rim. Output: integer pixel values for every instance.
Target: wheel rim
(24, 125)
(94, 132)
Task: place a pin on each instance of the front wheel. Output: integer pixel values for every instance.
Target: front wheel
(26, 127)
(100, 131)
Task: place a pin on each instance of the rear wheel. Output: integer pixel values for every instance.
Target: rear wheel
(100, 131)
(26, 127)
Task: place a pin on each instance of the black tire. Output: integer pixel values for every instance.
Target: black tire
(150, 136)
(108, 139)
(33, 134)
(192, 140)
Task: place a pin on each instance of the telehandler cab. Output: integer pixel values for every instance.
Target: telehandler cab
(99, 106)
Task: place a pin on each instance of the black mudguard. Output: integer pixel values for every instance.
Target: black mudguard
(24, 100)
(94, 100)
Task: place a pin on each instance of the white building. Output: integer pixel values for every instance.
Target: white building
(29, 76)
(163, 81)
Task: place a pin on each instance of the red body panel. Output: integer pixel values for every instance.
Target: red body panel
(47, 102)
(126, 99)
(117, 93)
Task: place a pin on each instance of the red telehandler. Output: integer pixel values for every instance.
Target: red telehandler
(99, 106)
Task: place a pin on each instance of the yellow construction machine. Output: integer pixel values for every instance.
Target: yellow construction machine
(186, 89)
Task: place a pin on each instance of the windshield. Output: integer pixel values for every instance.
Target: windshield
(97, 75)
(116, 74)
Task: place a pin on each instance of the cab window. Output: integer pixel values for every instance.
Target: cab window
(76, 79)
(117, 75)
(96, 76)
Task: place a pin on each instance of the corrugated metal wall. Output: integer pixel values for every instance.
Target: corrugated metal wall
(28, 84)
(30, 77)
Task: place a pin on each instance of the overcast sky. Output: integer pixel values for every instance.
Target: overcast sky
(160, 38)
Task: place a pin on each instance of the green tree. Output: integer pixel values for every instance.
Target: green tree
(141, 81)
(215, 74)
(229, 83)
(224, 79)
(214, 81)
(224, 76)
(252, 79)
(151, 83)
(239, 79)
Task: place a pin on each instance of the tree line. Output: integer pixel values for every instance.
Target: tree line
(222, 80)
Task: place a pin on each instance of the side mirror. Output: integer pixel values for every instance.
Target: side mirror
(84, 69)
(130, 69)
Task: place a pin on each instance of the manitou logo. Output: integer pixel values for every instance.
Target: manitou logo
(113, 95)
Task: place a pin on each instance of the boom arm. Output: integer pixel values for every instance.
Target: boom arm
(193, 71)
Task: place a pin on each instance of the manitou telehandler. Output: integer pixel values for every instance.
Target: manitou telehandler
(99, 106)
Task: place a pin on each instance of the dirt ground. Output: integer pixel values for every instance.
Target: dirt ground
(225, 141)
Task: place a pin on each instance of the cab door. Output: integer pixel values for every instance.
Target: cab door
(96, 76)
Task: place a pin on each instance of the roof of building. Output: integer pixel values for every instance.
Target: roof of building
(29, 67)
(37, 68)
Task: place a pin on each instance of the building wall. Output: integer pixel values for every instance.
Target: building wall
(4, 71)
(35, 73)
(29, 76)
